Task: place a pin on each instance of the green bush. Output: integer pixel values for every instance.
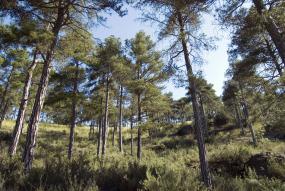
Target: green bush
(167, 177)
(60, 174)
(125, 178)
(249, 183)
(221, 118)
(12, 176)
(275, 125)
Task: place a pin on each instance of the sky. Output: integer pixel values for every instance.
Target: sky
(216, 61)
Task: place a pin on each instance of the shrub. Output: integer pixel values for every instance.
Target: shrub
(167, 177)
(275, 125)
(12, 175)
(60, 174)
(125, 178)
(221, 118)
(250, 183)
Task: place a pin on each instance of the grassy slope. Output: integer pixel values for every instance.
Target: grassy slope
(178, 154)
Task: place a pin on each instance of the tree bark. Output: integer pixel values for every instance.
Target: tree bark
(120, 120)
(203, 115)
(139, 141)
(73, 111)
(23, 105)
(132, 138)
(30, 145)
(115, 126)
(4, 102)
(106, 113)
(92, 130)
(99, 138)
(205, 173)
(272, 29)
(4, 112)
(113, 134)
(246, 116)
(238, 117)
(278, 66)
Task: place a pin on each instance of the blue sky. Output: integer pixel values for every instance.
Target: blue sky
(216, 61)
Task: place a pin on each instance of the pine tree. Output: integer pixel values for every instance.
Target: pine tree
(180, 20)
(147, 69)
(30, 36)
(267, 18)
(108, 55)
(15, 61)
(122, 73)
(55, 15)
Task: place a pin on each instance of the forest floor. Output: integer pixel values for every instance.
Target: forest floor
(169, 162)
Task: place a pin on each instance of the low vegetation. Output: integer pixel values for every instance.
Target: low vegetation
(82, 113)
(169, 162)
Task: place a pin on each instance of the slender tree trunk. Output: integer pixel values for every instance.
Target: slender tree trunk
(99, 138)
(23, 105)
(28, 154)
(100, 128)
(238, 118)
(274, 58)
(4, 102)
(246, 116)
(120, 120)
(132, 137)
(106, 113)
(113, 133)
(92, 130)
(115, 126)
(7, 86)
(73, 110)
(139, 145)
(272, 29)
(4, 112)
(198, 120)
(203, 115)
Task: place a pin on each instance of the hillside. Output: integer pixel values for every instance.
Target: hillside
(169, 162)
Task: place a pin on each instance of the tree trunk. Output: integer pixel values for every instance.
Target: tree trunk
(106, 113)
(4, 112)
(28, 154)
(113, 134)
(132, 138)
(73, 110)
(272, 29)
(23, 105)
(246, 116)
(120, 120)
(238, 118)
(203, 115)
(92, 130)
(278, 66)
(4, 102)
(99, 138)
(115, 126)
(205, 173)
(139, 144)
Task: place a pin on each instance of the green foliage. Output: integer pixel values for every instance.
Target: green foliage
(169, 163)
(11, 176)
(167, 177)
(275, 123)
(221, 118)
(250, 183)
